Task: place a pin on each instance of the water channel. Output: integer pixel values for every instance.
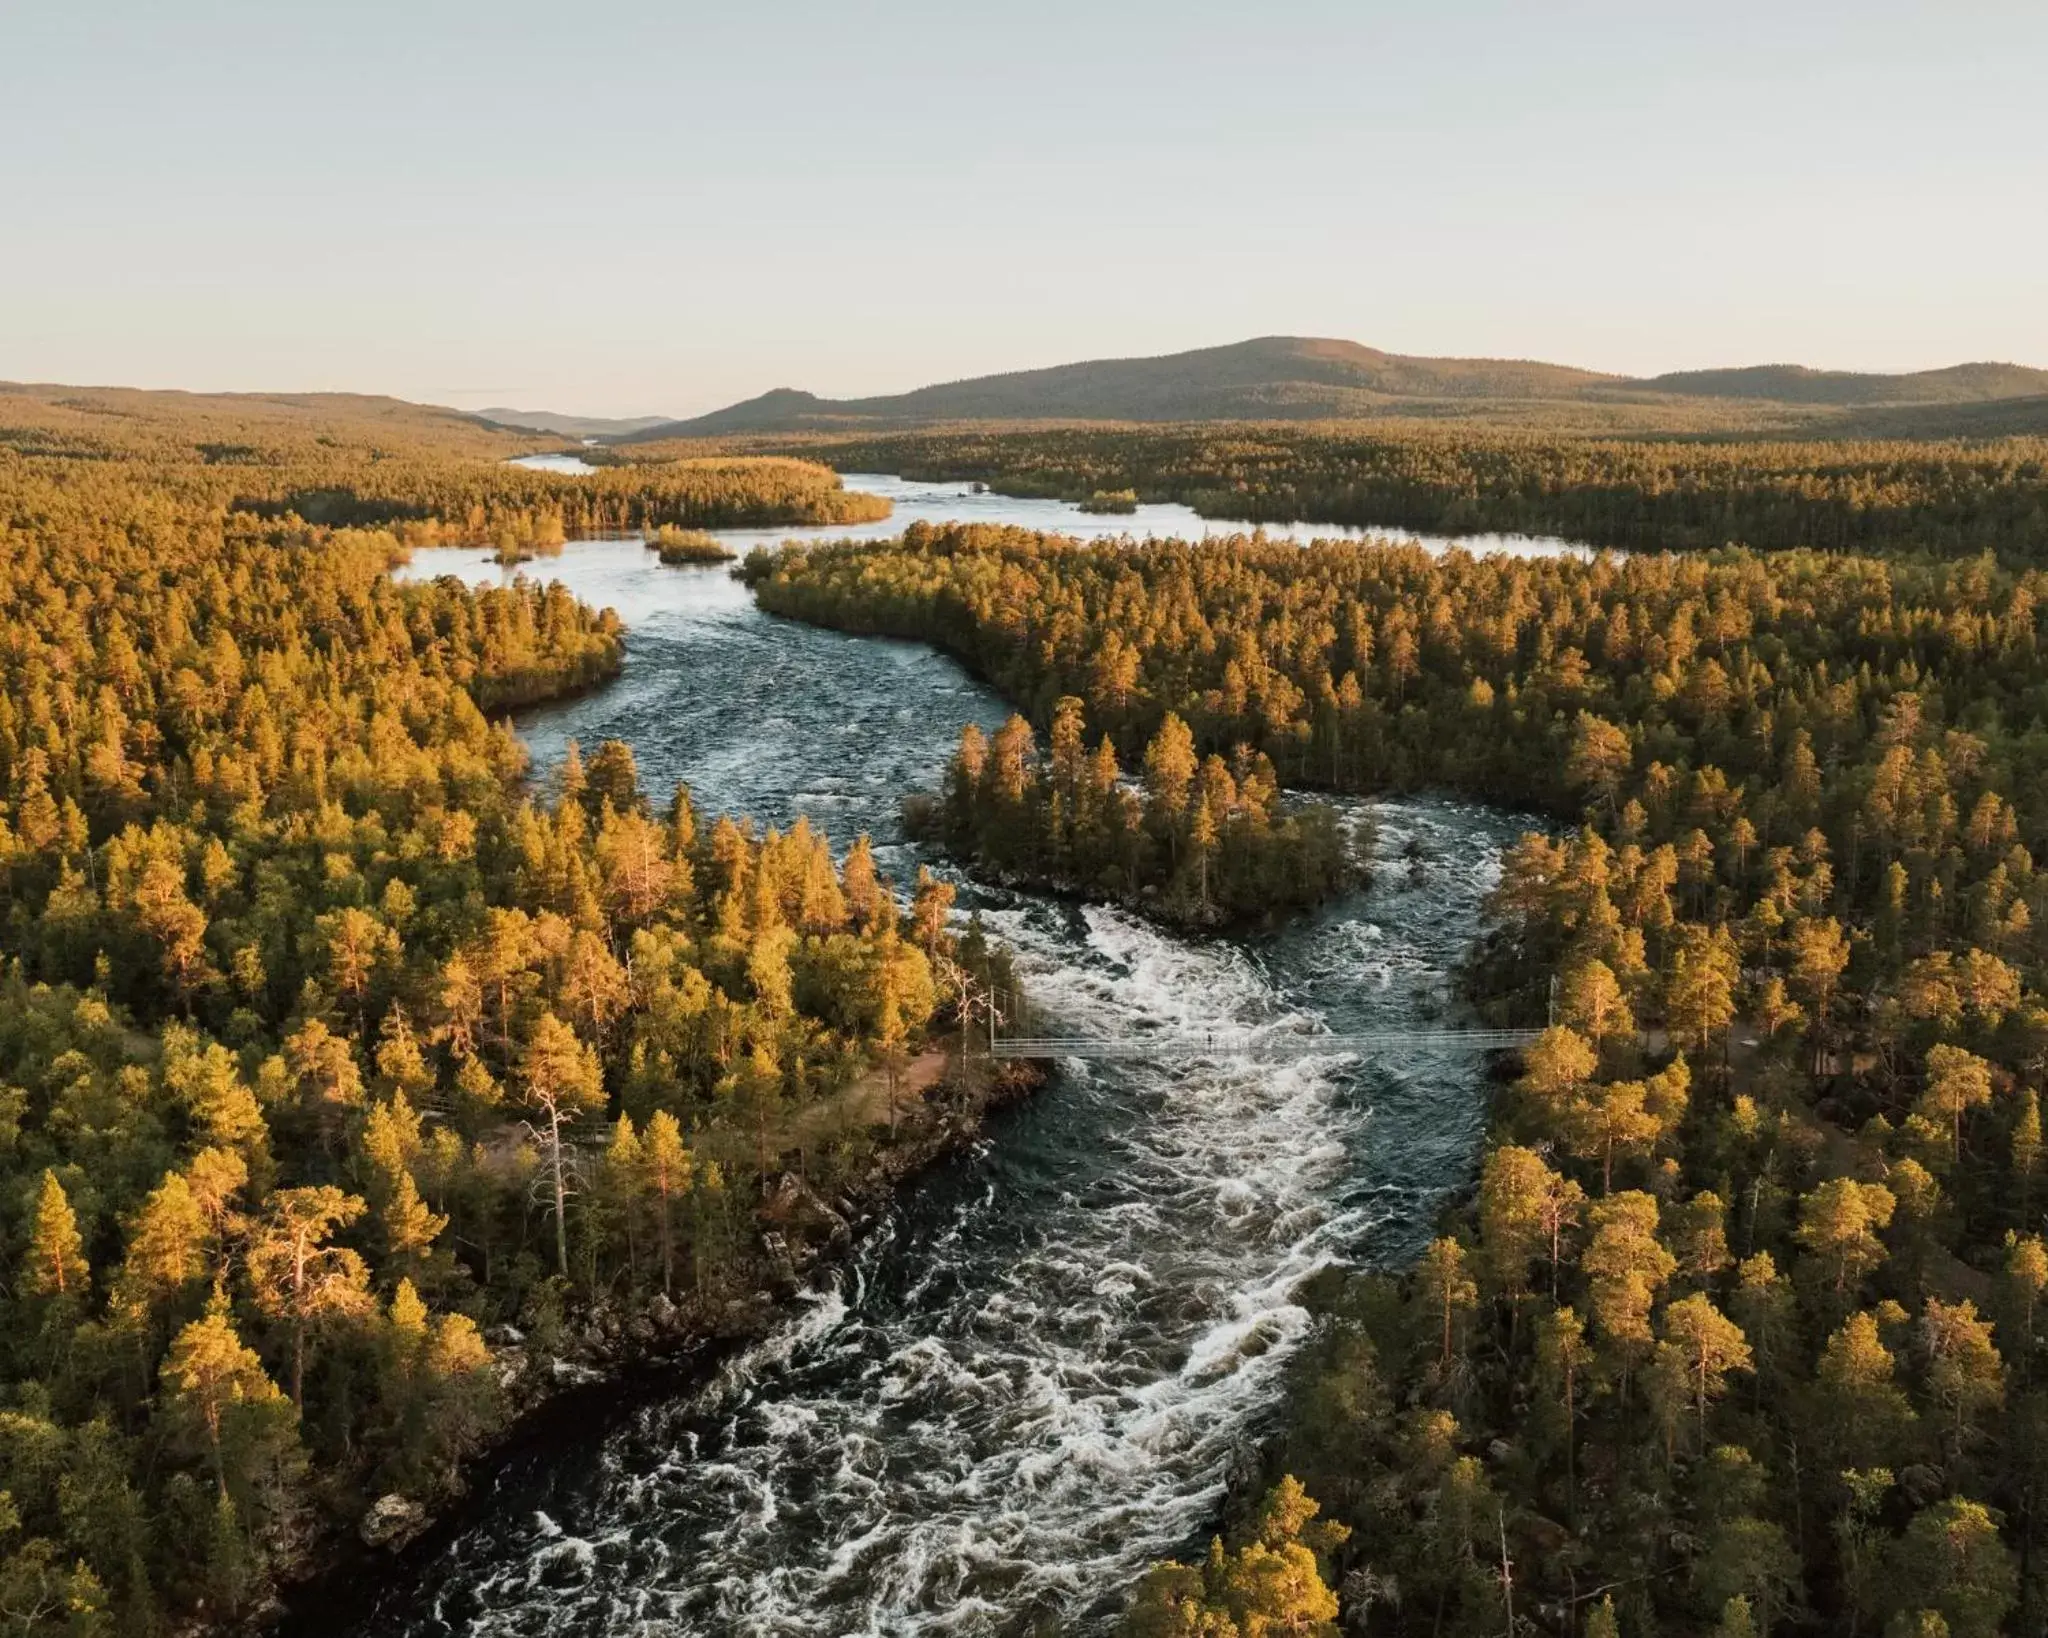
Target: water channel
(1036, 1376)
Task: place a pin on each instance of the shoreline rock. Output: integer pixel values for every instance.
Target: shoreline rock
(617, 1354)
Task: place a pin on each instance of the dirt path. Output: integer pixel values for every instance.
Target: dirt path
(866, 1101)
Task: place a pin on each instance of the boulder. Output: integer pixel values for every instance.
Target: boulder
(793, 1202)
(782, 1275)
(392, 1521)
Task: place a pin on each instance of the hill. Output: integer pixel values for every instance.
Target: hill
(570, 426)
(1796, 384)
(1995, 418)
(1272, 378)
(237, 424)
(279, 413)
(1281, 378)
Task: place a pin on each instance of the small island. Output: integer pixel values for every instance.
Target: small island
(1199, 843)
(681, 546)
(1119, 501)
(522, 537)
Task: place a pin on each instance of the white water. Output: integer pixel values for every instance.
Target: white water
(1040, 1377)
(1041, 1372)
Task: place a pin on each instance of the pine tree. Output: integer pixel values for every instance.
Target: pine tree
(298, 1277)
(1700, 1346)
(409, 1227)
(668, 1168)
(1950, 1560)
(1626, 1266)
(563, 1080)
(54, 1265)
(1451, 1293)
(1562, 1356)
(166, 1254)
(2026, 1145)
(219, 1399)
(623, 1189)
(1957, 1082)
(1965, 1373)
(1839, 1223)
(1736, 1620)
(1860, 1415)
(1516, 1188)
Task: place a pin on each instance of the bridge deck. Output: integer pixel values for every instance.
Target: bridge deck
(1237, 1044)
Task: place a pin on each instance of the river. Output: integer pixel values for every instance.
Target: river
(1040, 1373)
(1155, 520)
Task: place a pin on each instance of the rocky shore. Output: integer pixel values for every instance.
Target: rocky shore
(608, 1354)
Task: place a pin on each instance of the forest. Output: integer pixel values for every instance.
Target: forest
(430, 477)
(1739, 1330)
(1952, 497)
(342, 1069)
(1203, 845)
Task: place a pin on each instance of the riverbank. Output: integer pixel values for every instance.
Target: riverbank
(1061, 1345)
(612, 1355)
(1151, 903)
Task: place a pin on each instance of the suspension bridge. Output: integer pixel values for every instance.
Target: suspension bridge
(1275, 1045)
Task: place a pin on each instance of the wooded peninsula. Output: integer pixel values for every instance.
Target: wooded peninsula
(1204, 846)
(1951, 496)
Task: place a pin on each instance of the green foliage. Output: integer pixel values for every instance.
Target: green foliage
(304, 990)
(1205, 845)
(1831, 493)
(1269, 1585)
(1740, 1326)
(677, 546)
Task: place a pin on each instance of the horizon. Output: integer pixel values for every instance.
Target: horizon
(682, 210)
(1027, 369)
(508, 405)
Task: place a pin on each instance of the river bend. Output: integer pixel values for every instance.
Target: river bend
(1036, 1377)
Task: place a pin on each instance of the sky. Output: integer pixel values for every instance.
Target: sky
(648, 208)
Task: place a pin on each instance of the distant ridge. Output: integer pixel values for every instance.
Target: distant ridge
(1314, 379)
(1796, 384)
(569, 426)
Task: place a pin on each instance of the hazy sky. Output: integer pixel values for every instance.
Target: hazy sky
(663, 207)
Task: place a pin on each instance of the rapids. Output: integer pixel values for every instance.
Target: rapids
(1040, 1373)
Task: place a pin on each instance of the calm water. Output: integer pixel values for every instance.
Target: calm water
(574, 464)
(957, 503)
(1037, 1376)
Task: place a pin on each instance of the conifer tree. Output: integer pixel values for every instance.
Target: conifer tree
(298, 1277)
(221, 1402)
(563, 1081)
(54, 1265)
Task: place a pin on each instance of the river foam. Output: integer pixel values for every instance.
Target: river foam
(1042, 1370)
